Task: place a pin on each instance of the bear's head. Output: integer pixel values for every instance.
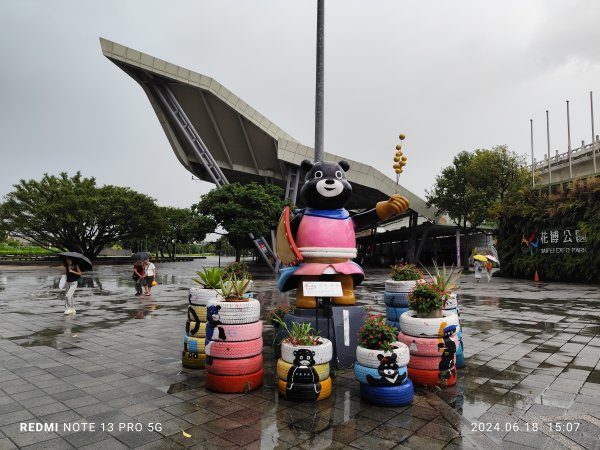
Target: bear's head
(388, 366)
(325, 185)
(212, 314)
(449, 330)
(304, 357)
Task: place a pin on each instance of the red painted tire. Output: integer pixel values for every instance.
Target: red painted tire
(240, 332)
(234, 350)
(427, 362)
(369, 358)
(432, 377)
(243, 366)
(323, 351)
(230, 384)
(423, 346)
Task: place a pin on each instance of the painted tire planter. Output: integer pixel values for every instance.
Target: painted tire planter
(361, 372)
(395, 299)
(201, 297)
(219, 366)
(428, 362)
(196, 313)
(422, 346)
(193, 360)
(369, 358)
(305, 392)
(452, 302)
(235, 333)
(460, 355)
(234, 350)
(231, 313)
(400, 286)
(234, 384)
(284, 367)
(432, 377)
(452, 310)
(195, 329)
(192, 344)
(430, 327)
(323, 351)
(388, 396)
(393, 314)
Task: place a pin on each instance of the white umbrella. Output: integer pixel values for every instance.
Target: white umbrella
(492, 258)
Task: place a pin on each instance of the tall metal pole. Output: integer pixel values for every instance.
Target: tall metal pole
(532, 160)
(548, 138)
(319, 104)
(569, 141)
(593, 135)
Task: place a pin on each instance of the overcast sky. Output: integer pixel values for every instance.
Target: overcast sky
(452, 76)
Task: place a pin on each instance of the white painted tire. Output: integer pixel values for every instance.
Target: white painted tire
(415, 326)
(231, 313)
(368, 358)
(201, 297)
(452, 302)
(323, 351)
(401, 286)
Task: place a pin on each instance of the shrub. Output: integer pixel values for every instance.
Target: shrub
(425, 297)
(405, 272)
(376, 334)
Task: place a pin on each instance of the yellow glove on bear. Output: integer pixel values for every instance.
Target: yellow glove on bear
(397, 204)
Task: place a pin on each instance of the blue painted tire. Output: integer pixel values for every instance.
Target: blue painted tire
(388, 396)
(393, 314)
(396, 299)
(460, 354)
(394, 324)
(361, 372)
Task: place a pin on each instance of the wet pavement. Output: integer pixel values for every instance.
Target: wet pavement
(531, 378)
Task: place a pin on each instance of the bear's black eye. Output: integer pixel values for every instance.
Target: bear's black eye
(318, 174)
(338, 174)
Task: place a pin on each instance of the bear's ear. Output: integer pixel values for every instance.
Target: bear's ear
(295, 352)
(218, 307)
(306, 165)
(344, 165)
(380, 357)
(312, 353)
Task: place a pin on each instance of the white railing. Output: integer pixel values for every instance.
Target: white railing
(578, 155)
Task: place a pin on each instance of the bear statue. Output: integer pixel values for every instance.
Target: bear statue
(388, 370)
(303, 372)
(324, 232)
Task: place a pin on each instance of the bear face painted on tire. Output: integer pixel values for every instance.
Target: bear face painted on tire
(388, 370)
(301, 374)
(213, 330)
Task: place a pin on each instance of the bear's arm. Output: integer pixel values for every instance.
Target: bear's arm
(295, 224)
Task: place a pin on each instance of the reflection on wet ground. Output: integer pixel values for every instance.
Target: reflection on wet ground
(532, 353)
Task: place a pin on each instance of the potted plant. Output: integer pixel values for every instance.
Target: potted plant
(235, 289)
(446, 281)
(279, 313)
(210, 279)
(427, 300)
(303, 368)
(381, 364)
(403, 278)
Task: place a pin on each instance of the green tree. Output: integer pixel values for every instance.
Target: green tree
(181, 225)
(72, 213)
(242, 209)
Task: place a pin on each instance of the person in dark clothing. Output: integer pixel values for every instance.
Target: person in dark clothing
(73, 276)
(138, 276)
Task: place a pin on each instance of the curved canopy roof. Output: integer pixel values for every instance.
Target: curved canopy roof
(245, 145)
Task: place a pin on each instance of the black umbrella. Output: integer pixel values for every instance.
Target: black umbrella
(140, 256)
(82, 261)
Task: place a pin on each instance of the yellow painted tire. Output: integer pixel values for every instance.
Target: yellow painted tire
(197, 313)
(195, 329)
(308, 303)
(193, 344)
(193, 360)
(305, 392)
(283, 368)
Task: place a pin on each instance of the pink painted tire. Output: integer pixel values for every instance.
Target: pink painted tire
(423, 346)
(236, 333)
(234, 350)
(369, 358)
(412, 325)
(426, 362)
(243, 366)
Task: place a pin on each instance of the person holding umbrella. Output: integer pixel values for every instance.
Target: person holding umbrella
(478, 265)
(139, 275)
(74, 263)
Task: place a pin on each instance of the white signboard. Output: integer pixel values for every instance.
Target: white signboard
(322, 288)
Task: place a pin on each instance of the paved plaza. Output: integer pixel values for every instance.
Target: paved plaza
(531, 378)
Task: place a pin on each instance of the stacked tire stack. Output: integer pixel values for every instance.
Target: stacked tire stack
(303, 371)
(193, 356)
(432, 343)
(395, 298)
(383, 375)
(234, 345)
(452, 306)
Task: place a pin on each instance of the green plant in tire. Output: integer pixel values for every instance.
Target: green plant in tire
(238, 270)
(445, 280)
(426, 297)
(234, 288)
(279, 312)
(405, 272)
(377, 334)
(210, 277)
(300, 334)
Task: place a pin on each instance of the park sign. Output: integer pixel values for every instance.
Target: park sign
(555, 241)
